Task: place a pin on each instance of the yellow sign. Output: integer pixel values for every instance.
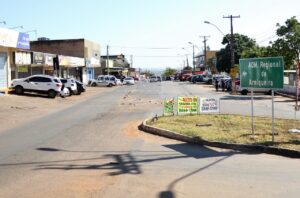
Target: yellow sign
(23, 69)
(234, 71)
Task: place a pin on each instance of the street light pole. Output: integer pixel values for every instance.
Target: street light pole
(107, 59)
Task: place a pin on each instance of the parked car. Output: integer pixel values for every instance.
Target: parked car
(128, 81)
(135, 78)
(70, 84)
(197, 78)
(207, 78)
(43, 84)
(158, 78)
(118, 82)
(245, 91)
(184, 77)
(104, 80)
(153, 79)
(168, 78)
(80, 87)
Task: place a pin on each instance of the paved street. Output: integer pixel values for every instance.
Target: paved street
(93, 149)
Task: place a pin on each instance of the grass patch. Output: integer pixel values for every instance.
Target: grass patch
(234, 129)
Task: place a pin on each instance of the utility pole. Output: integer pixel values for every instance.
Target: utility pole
(131, 61)
(107, 59)
(231, 48)
(204, 41)
(194, 59)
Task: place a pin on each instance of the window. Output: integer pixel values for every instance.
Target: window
(106, 78)
(112, 78)
(62, 80)
(39, 79)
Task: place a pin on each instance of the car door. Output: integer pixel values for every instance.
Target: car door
(100, 81)
(33, 83)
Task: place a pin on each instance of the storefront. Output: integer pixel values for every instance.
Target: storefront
(93, 67)
(10, 40)
(71, 67)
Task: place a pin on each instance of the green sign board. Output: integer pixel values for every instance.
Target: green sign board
(262, 72)
(169, 107)
(187, 105)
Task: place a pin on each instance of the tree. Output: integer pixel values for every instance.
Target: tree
(241, 43)
(147, 73)
(288, 43)
(169, 71)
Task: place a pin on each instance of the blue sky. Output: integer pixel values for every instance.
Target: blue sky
(132, 27)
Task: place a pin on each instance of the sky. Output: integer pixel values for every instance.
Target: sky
(155, 32)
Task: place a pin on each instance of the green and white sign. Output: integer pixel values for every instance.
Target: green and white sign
(187, 105)
(169, 107)
(262, 72)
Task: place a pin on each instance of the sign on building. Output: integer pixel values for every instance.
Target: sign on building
(22, 58)
(262, 72)
(187, 105)
(12, 38)
(209, 105)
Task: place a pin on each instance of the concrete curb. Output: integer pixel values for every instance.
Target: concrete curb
(199, 141)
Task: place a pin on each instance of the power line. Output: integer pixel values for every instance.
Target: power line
(151, 56)
(150, 48)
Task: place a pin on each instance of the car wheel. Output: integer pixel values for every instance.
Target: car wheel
(109, 85)
(19, 90)
(244, 92)
(52, 94)
(93, 84)
(209, 82)
(71, 92)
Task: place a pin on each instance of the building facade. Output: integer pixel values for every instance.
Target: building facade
(116, 65)
(10, 40)
(80, 48)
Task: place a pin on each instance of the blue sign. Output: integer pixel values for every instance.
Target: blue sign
(23, 41)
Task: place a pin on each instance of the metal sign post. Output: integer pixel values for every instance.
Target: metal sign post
(262, 73)
(273, 116)
(252, 113)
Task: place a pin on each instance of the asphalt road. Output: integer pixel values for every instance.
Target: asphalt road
(93, 149)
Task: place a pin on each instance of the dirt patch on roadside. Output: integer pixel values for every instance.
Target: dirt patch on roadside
(131, 130)
(132, 103)
(16, 110)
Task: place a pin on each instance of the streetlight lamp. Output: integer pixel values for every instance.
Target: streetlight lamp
(193, 56)
(207, 22)
(21, 26)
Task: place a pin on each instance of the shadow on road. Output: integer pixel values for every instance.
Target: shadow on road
(191, 151)
(129, 162)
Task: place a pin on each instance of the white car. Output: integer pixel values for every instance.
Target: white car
(118, 82)
(103, 80)
(70, 84)
(128, 81)
(44, 84)
(153, 79)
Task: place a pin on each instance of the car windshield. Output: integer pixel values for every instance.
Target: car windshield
(128, 78)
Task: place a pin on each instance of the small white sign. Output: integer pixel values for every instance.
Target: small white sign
(209, 105)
